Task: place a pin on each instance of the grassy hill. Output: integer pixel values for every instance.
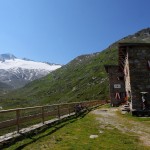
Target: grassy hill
(84, 78)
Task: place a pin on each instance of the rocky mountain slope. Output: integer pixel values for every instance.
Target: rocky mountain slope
(84, 78)
(15, 73)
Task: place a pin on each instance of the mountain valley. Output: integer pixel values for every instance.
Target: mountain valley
(84, 78)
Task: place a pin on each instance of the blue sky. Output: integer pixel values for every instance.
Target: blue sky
(57, 31)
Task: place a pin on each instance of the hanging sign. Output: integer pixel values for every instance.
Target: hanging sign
(117, 86)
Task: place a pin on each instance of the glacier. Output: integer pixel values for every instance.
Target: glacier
(17, 72)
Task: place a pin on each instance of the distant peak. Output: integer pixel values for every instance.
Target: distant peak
(52, 64)
(27, 59)
(143, 32)
(7, 56)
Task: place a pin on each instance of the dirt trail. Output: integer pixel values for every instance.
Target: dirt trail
(110, 119)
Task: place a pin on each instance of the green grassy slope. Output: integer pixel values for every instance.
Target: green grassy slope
(84, 78)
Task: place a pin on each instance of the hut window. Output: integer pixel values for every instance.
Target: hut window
(120, 78)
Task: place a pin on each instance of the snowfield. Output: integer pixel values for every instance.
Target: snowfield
(16, 72)
(19, 63)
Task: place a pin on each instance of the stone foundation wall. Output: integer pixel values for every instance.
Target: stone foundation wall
(139, 75)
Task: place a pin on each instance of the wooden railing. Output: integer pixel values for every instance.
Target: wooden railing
(19, 116)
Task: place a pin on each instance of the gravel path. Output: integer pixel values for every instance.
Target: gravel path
(110, 119)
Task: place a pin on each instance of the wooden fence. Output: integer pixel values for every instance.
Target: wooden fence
(19, 116)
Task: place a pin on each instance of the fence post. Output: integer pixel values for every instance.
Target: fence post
(58, 108)
(69, 109)
(17, 119)
(42, 114)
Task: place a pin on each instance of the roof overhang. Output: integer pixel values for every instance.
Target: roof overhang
(110, 66)
(122, 51)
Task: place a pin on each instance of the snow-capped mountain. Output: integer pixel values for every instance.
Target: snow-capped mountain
(4, 57)
(17, 72)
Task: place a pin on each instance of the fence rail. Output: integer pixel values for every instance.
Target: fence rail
(19, 116)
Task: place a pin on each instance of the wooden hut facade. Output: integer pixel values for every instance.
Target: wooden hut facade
(134, 70)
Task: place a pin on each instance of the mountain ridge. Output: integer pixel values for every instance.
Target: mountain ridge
(16, 72)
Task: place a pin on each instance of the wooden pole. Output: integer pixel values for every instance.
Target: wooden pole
(42, 114)
(58, 108)
(17, 119)
(69, 109)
